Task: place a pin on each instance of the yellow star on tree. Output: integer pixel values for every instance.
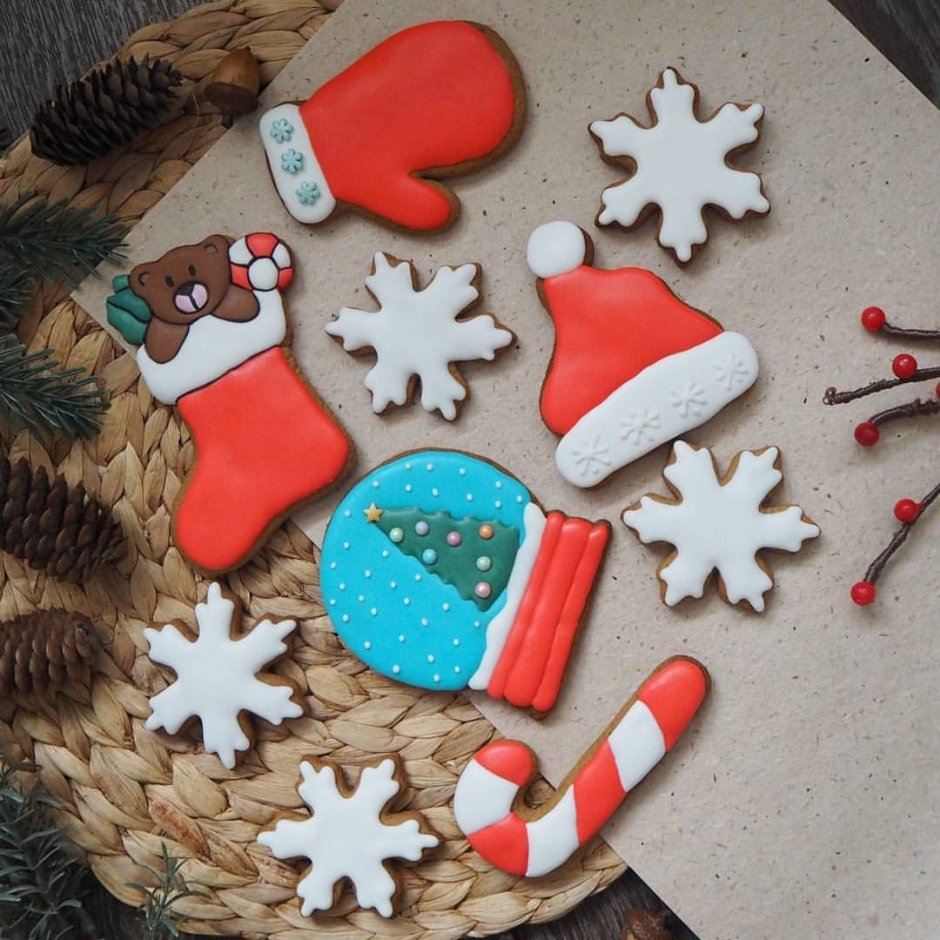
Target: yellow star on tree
(373, 513)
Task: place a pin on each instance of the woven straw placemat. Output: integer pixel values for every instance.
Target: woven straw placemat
(125, 791)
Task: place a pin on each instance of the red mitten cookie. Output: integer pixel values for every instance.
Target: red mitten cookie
(430, 102)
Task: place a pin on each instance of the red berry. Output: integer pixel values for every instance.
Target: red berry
(906, 510)
(873, 319)
(863, 593)
(904, 366)
(867, 433)
(937, 390)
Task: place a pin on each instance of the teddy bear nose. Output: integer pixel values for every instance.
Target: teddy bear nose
(191, 297)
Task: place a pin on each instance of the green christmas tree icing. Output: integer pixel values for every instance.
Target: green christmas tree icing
(474, 555)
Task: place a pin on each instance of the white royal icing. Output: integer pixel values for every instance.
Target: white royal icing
(213, 347)
(667, 399)
(681, 165)
(719, 527)
(637, 744)
(498, 628)
(553, 837)
(346, 838)
(555, 248)
(418, 334)
(309, 177)
(215, 677)
(482, 798)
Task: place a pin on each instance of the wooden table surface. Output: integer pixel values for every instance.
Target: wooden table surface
(43, 43)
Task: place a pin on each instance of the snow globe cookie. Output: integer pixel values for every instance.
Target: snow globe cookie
(441, 570)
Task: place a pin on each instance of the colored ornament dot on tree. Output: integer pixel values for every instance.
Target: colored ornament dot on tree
(454, 539)
(873, 319)
(904, 366)
(906, 510)
(863, 593)
(486, 531)
(422, 528)
(429, 556)
(867, 433)
(484, 563)
(396, 535)
(482, 589)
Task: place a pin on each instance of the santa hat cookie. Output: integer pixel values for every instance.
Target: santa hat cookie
(633, 366)
(434, 100)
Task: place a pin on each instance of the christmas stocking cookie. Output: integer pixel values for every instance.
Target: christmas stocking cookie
(439, 569)
(210, 325)
(430, 102)
(633, 367)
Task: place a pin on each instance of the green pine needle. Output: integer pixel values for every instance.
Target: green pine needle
(54, 242)
(158, 908)
(41, 881)
(16, 290)
(36, 394)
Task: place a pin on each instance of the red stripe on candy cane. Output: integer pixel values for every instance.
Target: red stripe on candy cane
(488, 802)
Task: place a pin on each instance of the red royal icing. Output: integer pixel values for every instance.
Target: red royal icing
(433, 96)
(263, 444)
(609, 326)
(511, 760)
(505, 844)
(597, 792)
(673, 694)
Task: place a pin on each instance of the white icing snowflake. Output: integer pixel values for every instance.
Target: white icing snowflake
(731, 371)
(347, 838)
(417, 334)
(719, 524)
(639, 427)
(681, 165)
(592, 457)
(690, 400)
(216, 678)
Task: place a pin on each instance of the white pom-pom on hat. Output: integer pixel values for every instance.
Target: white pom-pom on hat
(555, 248)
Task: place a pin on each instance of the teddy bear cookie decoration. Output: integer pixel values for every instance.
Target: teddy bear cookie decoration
(209, 323)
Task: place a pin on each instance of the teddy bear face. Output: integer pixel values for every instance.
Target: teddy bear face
(186, 283)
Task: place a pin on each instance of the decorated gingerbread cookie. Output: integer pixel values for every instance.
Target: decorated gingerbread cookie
(489, 800)
(210, 325)
(418, 335)
(217, 678)
(633, 367)
(719, 524)
(430, 102)
(351, 835)
(441, 570)
(680, 164)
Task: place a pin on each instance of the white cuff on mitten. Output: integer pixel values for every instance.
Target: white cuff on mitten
(297, 174)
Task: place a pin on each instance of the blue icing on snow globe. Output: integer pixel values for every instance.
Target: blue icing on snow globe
(440, 570)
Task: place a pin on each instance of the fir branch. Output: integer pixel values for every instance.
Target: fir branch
(53, 241)
(6, 138)
(36, 394)
(16, 290)
(41, 880)
(158, 909)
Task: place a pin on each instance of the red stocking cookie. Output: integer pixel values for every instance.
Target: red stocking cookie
(430, 102)
(488, 802)
(633, 367)
(210, 325)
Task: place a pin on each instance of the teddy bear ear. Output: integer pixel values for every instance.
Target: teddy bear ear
(140, 276)
(215, 244)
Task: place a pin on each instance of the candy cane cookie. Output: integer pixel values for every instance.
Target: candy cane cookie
(488, 802)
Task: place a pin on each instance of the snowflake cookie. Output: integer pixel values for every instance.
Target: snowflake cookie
(350, 835)
(719, 523)
(680, 164)
(216, 679)
(418, 335)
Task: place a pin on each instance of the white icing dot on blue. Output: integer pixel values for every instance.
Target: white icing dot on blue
(424, 621)
(396, 668)
(457, 670)
(499, 484)
(347, 513)
(469, 497)
(435, 492)
(401, 637)
(429, 467)
(367, 573)
(430, 658)
(342, 585)
(346, 545)
(367, 645)
(417, 577)
(445, 606)
(407, 601)
(462, 471)
(385, 553)
(456, 641)
(498, 504)
(393, 584)
(345, 618)
(332, 602)
(374, 611)
(408, 487)
(408, 465)
(361, 598)
(332, 566)
(375, 484)
(476, 623)
(437, 677)
(518, 499)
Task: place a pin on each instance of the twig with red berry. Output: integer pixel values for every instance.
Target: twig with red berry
(906, 370)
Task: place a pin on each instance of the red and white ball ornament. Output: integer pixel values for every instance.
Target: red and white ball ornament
(261, 261)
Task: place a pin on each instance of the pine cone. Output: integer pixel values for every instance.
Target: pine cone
(107, 108)
(44, 649)
(645, 925)
(54, 527)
